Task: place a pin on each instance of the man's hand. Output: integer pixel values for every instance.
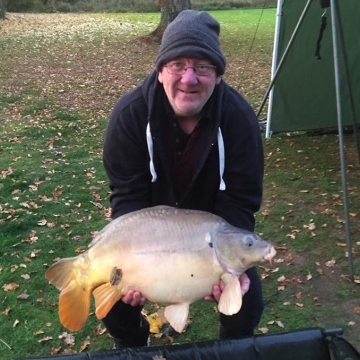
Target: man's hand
(218, 289)
(134, 298)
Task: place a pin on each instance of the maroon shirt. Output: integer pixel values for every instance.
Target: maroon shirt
(184, 148)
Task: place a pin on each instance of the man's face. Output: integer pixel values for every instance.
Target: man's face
(188, 92)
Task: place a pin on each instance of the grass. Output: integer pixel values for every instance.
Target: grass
(60, 76)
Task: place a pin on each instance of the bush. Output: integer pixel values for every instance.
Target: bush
(25, 5)
(140, 6)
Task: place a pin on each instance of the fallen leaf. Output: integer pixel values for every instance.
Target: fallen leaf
(11, 286)
(85, 344)
(99, 330)
(6, 311)
(341, 244)
(155, 323)
(23, 296)
(264, 330)
(55, 351)
(330, 263)
(69, 339)
(47, 338)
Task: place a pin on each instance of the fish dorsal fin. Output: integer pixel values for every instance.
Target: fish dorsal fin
(177, 315)
(231, 298)
(106, 295)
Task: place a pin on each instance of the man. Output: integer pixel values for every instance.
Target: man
(185, 138)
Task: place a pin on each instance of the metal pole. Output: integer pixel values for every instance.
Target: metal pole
(274, 62)
(348, 81)
(334, 21)
(284, 56)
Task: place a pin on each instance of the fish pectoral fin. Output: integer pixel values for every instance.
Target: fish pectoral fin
(231, 298)
(177, 315)
(106, 295)
(161, 313)
(74, 306)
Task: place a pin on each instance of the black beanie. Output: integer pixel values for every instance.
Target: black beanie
(192, 34)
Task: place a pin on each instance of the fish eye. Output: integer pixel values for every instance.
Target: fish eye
(249, 242)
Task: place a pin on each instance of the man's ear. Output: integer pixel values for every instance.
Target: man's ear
(160, 77)
(218, 79)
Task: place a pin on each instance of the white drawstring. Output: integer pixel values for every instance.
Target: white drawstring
(221, 159)
(151, 152)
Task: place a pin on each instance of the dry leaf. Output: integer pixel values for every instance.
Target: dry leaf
(11, 286)
(6, 311)
(341, 244)
(23, 296)
(85, 344)
(263, 330)
(42, 222)
(47, 338)
(330, 263)
(55, 351)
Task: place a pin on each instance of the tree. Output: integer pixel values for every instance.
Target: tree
(3, 4)
(169, 10)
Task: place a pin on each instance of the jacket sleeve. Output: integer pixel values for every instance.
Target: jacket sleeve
(244, 169)
(125, 158)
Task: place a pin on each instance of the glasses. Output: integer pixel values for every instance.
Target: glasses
(179, 68)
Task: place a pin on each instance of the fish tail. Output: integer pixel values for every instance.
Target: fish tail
(75, 294)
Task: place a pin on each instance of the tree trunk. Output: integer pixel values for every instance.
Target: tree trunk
(3, 4)
(169, 10)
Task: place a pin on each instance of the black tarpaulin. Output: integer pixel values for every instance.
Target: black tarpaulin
(308, 344)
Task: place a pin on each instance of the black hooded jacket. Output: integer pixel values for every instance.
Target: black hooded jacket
(138, 162)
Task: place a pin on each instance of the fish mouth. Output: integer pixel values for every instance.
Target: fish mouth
(269, 256)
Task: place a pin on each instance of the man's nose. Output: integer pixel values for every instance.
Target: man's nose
(189, 76)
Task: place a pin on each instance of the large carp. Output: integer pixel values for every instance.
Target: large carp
(172, 256)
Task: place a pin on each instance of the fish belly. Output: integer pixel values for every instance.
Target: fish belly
(171, 280)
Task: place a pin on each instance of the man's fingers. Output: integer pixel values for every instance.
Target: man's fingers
(134, 298)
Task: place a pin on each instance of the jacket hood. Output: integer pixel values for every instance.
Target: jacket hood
(155, 98)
